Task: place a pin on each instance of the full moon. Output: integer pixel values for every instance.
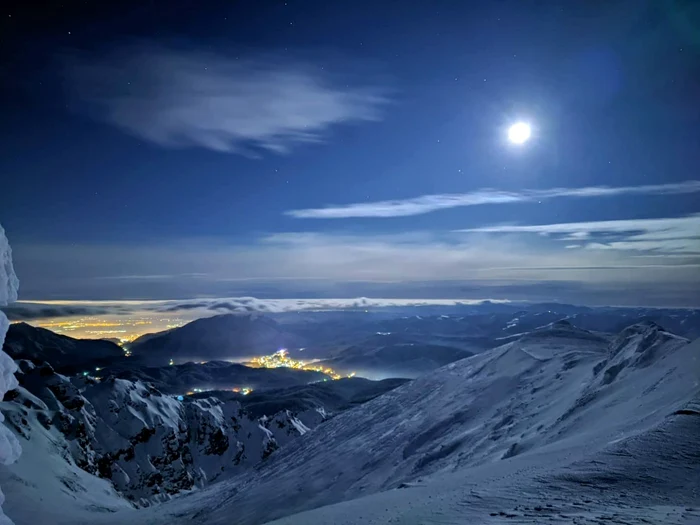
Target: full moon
(519, 133)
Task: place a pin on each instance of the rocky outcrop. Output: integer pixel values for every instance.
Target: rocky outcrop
(149, 445)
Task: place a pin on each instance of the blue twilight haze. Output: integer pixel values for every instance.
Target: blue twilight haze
(309, 149)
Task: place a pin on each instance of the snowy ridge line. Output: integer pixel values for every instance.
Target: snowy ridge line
(471, 441)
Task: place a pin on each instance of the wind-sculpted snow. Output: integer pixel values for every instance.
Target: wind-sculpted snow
(509, 420)
(9, 446)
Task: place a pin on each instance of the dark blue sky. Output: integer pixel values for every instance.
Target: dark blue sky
(177, 149)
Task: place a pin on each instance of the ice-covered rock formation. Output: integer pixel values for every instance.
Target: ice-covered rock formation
(149, 445)
(9, 446)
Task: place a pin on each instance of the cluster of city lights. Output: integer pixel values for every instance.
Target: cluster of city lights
(281, 359)
(239, 390)
(93, 327)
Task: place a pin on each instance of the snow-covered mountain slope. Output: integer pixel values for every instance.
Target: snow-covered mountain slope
(647, 477)
(519, 418)
(63, 353)
(561, 425)
(117, 444)
(388, 354)
(46, 481)
(329, 396)
(148, 445)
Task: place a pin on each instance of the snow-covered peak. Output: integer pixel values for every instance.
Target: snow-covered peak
(642, 327)
(563, 329)
(639, 342)
(646, 324)
(562, 325)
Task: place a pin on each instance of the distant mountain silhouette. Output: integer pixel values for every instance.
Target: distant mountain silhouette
(63, 353)
(393, 355)
(220, 337)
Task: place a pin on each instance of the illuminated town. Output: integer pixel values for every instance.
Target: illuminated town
(281, 359)
(238, 390)
(123, 330)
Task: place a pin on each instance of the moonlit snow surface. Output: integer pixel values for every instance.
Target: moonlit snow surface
(519, 133)
(558, 425)
(562, 425)
(9, 446)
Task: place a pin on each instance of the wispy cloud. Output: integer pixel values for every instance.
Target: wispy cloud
(29, 311)
(152, 277)
(673, 235)
(411, 264)
(181, 98)
(430, 203)
(191, 309)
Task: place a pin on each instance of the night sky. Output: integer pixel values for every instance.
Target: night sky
(170, 150)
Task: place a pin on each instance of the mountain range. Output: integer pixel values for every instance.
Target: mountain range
(222, 337)
(150, 445)
(559, 423)
(387, 343)
(514, 417)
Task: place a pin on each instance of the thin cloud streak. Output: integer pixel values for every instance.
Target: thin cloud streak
(299, 257)
(177, 98)
(662, 226)
(430, 203)
(679, 235)
(345, 266)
